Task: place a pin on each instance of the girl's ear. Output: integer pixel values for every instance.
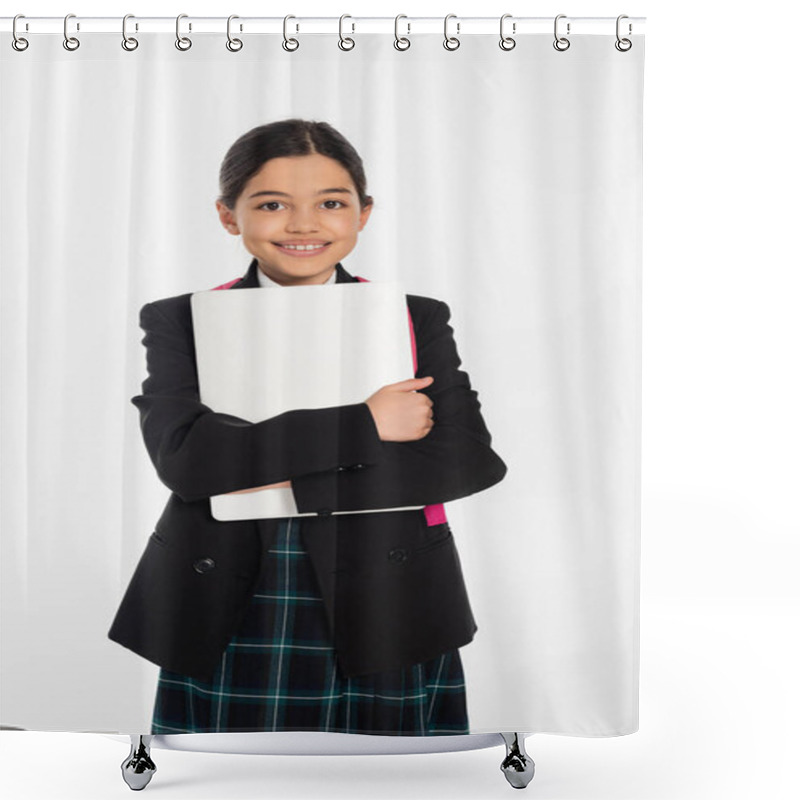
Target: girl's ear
(227, 218)
(364, 216)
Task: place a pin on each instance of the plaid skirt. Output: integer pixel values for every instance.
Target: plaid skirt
(279, 673)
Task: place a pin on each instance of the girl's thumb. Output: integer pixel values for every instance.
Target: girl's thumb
(412, 384)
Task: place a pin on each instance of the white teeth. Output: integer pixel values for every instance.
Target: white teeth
(302, 246)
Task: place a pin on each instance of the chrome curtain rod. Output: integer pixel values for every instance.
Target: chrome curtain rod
(347, 23)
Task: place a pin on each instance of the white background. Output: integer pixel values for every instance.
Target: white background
(719, 617)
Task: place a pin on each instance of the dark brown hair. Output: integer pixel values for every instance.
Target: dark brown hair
(288, 137)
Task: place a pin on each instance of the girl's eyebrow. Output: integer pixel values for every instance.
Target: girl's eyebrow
(338, 189)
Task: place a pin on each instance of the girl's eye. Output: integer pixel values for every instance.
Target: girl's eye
(336, 204)
(271, 205)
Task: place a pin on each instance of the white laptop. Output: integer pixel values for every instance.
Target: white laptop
(263, 351)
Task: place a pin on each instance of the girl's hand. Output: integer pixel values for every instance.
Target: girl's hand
(401, 413)
(281, 485)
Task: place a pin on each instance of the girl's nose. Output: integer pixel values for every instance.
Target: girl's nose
(302, 219)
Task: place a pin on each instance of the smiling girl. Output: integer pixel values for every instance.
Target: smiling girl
(347, 623)
(298, 216)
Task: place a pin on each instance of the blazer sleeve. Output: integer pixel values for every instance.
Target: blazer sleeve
(198, 452)
(453, 460)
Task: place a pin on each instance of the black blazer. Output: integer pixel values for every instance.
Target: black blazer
(392, 586)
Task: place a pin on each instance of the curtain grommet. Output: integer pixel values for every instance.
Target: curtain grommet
(19, 43)
(507, 42)
(70, 43)
(290, 44)
(451, 42)
(128, 43)
(346, 43)
(234, 45)
(623, 44)
(561, 43)
(401, 42)
(183, 43)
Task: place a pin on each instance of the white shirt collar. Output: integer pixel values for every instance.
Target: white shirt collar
(264, 280)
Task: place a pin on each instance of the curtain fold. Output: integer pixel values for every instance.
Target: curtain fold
(507, 184)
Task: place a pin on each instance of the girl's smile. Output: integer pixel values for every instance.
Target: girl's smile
(298, 216)
(302, 248)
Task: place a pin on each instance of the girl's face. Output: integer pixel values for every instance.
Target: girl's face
(298, 216)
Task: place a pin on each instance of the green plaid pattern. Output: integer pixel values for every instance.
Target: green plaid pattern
(279, 673)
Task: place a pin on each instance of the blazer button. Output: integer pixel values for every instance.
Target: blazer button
(203, 565)
(398, 555)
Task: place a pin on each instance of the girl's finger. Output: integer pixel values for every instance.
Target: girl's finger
(413, 382)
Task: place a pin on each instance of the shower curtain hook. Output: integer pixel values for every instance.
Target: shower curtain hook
(451, 42)
(234, 45)
(506, 42)
(401, 42)
(18, 42)
(129, 43)
(623, 45)
(290, 44)
(345, 42)
(182, 42)
(561, 43)
(70, 42)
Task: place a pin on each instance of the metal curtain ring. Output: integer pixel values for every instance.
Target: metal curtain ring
(451, 42)
(561, 43)
(401, 42)
(623, 45)
(18, 42)
(506, 42)
(234, 45)
(289, 44)
(70, 42)
(182, 42)
(128, 42)
(345, 42)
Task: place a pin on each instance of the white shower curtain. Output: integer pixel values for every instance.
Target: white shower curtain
(507, 184)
